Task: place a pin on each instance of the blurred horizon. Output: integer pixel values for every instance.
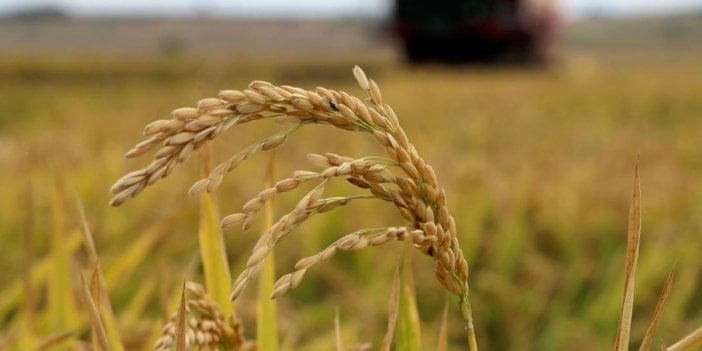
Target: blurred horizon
(572, 10)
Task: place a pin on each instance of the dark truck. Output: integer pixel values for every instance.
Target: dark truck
(513, 31)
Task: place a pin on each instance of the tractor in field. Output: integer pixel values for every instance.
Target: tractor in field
(488, 31)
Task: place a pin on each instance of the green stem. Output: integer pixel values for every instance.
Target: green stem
(468, 320)
(466, 312)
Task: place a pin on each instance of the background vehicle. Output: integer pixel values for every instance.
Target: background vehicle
(476, 30)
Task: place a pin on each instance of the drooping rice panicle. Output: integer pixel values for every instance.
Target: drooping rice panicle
(404, 178)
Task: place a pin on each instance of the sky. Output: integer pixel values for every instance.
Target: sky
(319, 8)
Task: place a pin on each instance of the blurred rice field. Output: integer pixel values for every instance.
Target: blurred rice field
(537, 164)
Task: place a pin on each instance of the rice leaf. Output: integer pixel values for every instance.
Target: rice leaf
(212, 249)
(393, 306)
(632, 254)
(408, 331)
(266, 325)
(658, 312)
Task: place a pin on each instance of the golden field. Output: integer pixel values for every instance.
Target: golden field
(537, 163)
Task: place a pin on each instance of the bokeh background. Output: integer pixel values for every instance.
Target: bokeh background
(537, 157)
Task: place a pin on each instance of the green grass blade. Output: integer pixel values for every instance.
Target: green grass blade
(266, 324)
(408, 325)
(658, 312)
(632, 254)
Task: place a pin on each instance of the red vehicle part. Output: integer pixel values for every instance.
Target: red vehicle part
(476, 30)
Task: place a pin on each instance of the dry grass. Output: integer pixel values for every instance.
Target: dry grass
(657, 314)
(632, 256)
